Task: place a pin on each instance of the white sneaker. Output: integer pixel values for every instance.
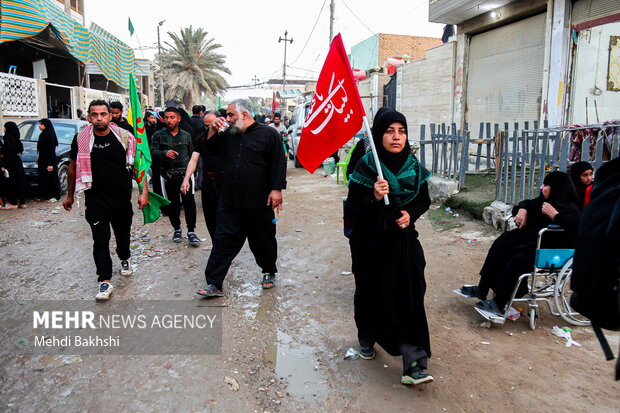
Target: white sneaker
(105, 290)
(126, 268)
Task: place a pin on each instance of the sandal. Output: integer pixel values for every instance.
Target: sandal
(269, 281)
(211, 291)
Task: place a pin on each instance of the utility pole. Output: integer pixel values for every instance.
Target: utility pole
(161, 68)
(285, 40)
(255, 80)
(332, 16)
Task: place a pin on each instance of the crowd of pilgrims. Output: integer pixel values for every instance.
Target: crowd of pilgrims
(387, 258)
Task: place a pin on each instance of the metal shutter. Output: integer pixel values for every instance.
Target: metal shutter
(586, 10)
(504, 82)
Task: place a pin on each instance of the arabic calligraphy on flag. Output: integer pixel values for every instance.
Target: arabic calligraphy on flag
(336, 111)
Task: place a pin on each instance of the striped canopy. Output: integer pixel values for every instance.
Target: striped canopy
(25, 18)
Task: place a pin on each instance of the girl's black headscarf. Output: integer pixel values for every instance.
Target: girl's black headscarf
(383, 119)
(48, 135)
(576, 170)
(12, 130)
(185, 123)
(562, 195)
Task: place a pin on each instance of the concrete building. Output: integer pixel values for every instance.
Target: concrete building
(526, 60)
(372, 52)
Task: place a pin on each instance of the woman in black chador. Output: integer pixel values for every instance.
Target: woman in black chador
(388, 260)
(12, 162)
(513, 253)
(49, 186)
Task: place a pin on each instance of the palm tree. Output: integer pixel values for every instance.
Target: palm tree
(192, 66)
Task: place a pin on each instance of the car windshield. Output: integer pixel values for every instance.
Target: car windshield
(30, 132)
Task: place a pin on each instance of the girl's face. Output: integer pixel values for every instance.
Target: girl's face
(587, 177)
(395, 137)
(546, 191)
(41, 126)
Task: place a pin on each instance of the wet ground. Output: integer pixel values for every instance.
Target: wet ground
(285, 347)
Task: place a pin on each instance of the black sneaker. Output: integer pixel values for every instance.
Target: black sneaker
(193, 239)
(472, 291)
(126, 268)
(367, 353)
(415, 375)
(177, 237)
(105, 290)
(489, 306)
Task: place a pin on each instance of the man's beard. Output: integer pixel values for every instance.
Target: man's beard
(238, 127)
(100, 126)
(171, 127)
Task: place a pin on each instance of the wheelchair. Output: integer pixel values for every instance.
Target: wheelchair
(548, 283)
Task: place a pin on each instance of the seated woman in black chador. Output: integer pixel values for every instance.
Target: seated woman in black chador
(582, 174)
(513, 253)
(388, 260)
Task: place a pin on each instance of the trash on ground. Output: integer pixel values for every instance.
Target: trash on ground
(561, 332)
(513, 314)
(486, 324)
(346, 273)
(232, 383)
(485, 343)
(352, 354)
(448, 209)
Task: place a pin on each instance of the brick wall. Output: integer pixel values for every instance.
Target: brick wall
(391, 45)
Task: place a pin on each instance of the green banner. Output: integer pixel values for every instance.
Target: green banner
(143, 155)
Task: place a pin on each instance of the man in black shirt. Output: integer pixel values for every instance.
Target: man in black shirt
(173, 147)
(196, 120)
(254, 178)
(108, 199)
(116, 109)
(211, 152)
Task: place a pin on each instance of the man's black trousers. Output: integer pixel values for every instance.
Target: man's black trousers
(173, 193)
(100, 219)
(234, 225)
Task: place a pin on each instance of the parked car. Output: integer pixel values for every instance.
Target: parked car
(65, 131)
(294, 130)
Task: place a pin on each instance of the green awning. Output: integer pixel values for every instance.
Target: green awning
(26, 18)
(289, 93)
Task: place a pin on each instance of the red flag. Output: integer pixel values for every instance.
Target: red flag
(274, 102)
(336, 111)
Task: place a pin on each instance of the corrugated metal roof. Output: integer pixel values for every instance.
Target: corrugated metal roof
(25, 18)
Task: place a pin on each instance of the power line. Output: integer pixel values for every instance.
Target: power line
(311, 31)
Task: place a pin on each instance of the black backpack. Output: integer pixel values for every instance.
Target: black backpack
(595, 280)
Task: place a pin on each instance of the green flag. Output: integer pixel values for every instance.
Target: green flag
(131, 29)
(143, 159)
(219, 103)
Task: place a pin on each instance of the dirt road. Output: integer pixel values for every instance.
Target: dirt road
(285, 346)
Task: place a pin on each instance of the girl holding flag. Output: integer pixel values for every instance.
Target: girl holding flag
(387, 258)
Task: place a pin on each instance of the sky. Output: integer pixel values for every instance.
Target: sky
(249, 31)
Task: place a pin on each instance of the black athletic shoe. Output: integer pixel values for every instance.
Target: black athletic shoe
(177, 237)
(193, 239)
(415, 375)
(490, 306)
(472, 291)
(367, 353)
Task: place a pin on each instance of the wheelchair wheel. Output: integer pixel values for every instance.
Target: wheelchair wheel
(562, 297)
(533, 314)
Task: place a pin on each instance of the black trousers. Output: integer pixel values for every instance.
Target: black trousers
(210, 196)
(173, 193)
(100, 220)
(49, 185)
(234, 225)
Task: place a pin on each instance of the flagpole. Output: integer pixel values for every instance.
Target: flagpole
(375, 155)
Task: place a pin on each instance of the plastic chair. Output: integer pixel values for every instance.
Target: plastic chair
(344, 166)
